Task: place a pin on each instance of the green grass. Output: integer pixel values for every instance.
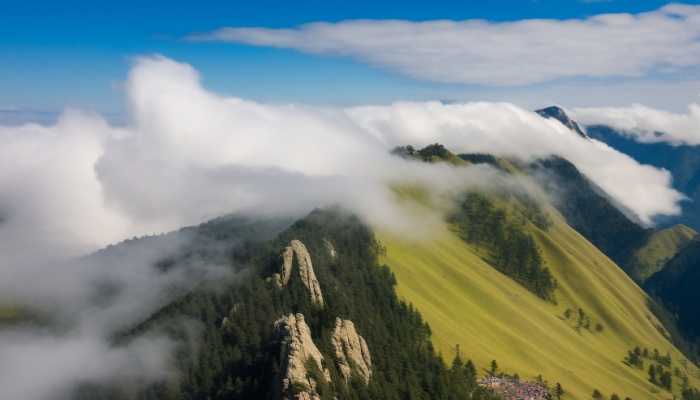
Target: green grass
(468, 303)
(659, 248)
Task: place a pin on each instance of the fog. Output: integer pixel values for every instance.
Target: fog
(187, 154)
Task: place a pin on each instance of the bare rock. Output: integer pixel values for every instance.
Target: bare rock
(281, 279)
(306, 270)
(351, 351)
(297, 350)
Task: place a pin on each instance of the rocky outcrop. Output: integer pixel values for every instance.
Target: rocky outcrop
(306, 270)
(297, 350)
(351, 351)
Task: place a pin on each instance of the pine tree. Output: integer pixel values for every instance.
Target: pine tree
(494, 367)
(665, 380)
(558, 391)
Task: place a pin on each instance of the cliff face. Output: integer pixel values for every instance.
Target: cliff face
(297, 350)
(306, 270)
(351, 352)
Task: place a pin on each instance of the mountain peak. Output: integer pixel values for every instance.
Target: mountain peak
(560, 115)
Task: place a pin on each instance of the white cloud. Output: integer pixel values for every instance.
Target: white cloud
(504, 129)
(646, 124)
(187, 155)
(500, 53)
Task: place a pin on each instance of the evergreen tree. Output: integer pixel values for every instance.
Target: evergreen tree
(558, 391)
(494, 368)
(665, 380)
(652, 374)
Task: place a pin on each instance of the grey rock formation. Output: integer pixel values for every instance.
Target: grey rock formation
(306, 270)
(351, 351)
(297, 349)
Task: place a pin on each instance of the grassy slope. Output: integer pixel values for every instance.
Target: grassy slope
(467, 302)
(661, 247)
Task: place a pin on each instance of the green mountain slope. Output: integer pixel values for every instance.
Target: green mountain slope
(589, 210)
(676, 285)
(469, 303)
(660, 247)
(235, 352)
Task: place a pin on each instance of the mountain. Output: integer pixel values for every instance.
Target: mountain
(468, 301)
(663, 260)
(639, 251)
(494, 291)
(660, 247)
(560, 115)
(682, 161)
(588, 209)
(676, 286)
(310, 314)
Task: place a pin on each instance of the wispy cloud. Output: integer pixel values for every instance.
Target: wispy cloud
(499, 53)
(647, 124)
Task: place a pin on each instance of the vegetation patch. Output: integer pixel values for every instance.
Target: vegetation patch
(510, 248)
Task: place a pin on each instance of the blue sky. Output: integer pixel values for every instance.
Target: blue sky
(76, 53)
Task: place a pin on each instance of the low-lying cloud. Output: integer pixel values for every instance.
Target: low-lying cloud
(499, 53)
(645, 124)
(77, 306)
(186, 155)
(507, 130)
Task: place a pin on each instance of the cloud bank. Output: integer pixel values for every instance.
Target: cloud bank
(499, 53)
(645, 124)
(186, 155)
(506, 130)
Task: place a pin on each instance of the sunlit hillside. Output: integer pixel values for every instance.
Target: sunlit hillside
(469, 303)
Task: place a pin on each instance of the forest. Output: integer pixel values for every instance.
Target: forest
(511, 249)
(240, 359)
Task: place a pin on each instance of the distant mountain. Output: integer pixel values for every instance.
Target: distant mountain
(676, 285)
(682, 161)
(589, 210)
(659, 248)
(560, 115)
(639, 251)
